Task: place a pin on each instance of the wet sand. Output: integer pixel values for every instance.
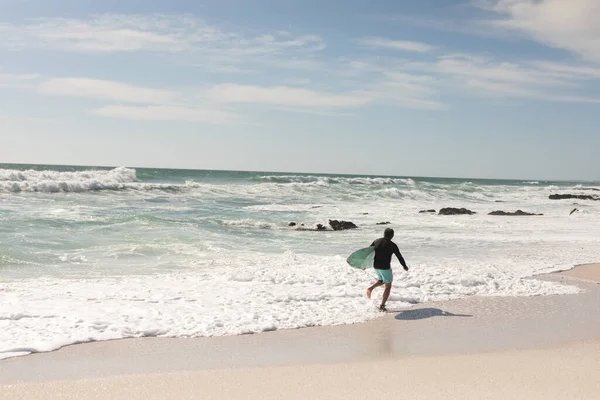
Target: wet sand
(586, 271)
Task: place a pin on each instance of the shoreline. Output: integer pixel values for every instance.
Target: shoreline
(457, 332)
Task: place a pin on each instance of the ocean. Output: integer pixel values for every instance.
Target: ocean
(95, 253)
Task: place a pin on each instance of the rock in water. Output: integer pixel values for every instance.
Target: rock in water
(427, 211)
(455, 211)
(573, 196)
(383, 223)
(516, 213)
(341, 225)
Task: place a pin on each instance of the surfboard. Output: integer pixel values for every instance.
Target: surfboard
(362, 259)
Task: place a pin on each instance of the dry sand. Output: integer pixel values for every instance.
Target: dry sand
(544, 347)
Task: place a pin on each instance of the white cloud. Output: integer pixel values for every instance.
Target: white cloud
(105, 90)
(17, 81)
(419, 84)
(18, 77)
(175, 33)
(168, 113)
(568, 71)
(284, 95)
(571, 25)
(481, 68)
(534, 80)
(395, 86)
(403, 45)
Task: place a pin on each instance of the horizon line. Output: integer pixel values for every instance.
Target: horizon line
(299, 173)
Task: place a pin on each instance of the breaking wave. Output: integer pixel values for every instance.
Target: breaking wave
(62, 181)
(325, 180)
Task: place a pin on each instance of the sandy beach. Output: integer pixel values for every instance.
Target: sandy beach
(542, 347)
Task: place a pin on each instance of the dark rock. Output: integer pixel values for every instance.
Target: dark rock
(455, 211)
(383, 223)
(316, 206)
(292, 224)
(499, 201)
(516, 213)
(341, 225)
(572, 211)
(365, 213)
(320, 227)
(573, 196)
(427, 211)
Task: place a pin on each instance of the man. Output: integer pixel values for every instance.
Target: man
(384, 249)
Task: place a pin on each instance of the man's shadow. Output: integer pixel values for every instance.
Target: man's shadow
(422, 313)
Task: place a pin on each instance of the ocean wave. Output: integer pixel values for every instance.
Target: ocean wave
(314, 179)
(49, 181)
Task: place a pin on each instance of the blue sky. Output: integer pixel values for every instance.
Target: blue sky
(478, 88)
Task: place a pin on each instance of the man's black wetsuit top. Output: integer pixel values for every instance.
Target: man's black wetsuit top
(384, 249)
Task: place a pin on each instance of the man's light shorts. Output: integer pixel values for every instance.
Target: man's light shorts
(384, 275)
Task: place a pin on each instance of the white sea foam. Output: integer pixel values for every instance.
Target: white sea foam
(251, 293)
(249, 223)
(193, 257)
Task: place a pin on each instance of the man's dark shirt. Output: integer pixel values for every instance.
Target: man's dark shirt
(384, 249)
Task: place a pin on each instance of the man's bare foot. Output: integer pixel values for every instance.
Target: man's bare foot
(382, 308)
(369, 290)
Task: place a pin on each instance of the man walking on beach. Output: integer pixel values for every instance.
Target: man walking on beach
(384, 249)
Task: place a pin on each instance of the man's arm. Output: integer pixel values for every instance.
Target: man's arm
(400, 258)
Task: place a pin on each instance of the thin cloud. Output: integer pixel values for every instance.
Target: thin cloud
(105, 90)
(109, 33)
(284, 95)
(395, 86)
(420, 83)
(168, 113)
(403, 45)
(508, 72)
(18, 81)
(568, 71)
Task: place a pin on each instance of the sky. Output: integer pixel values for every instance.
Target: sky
(451, 88)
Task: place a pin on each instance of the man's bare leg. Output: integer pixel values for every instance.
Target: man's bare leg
(386, 294)
(373, 286)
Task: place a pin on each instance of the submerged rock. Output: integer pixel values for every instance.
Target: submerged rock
(320, 227)
(455, 211)
(427, 211)
(383, 223)
(516, 213)
(292, 224)
(341, 225)
(573, 196)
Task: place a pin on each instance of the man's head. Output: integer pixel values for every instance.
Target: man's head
(388, 233)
